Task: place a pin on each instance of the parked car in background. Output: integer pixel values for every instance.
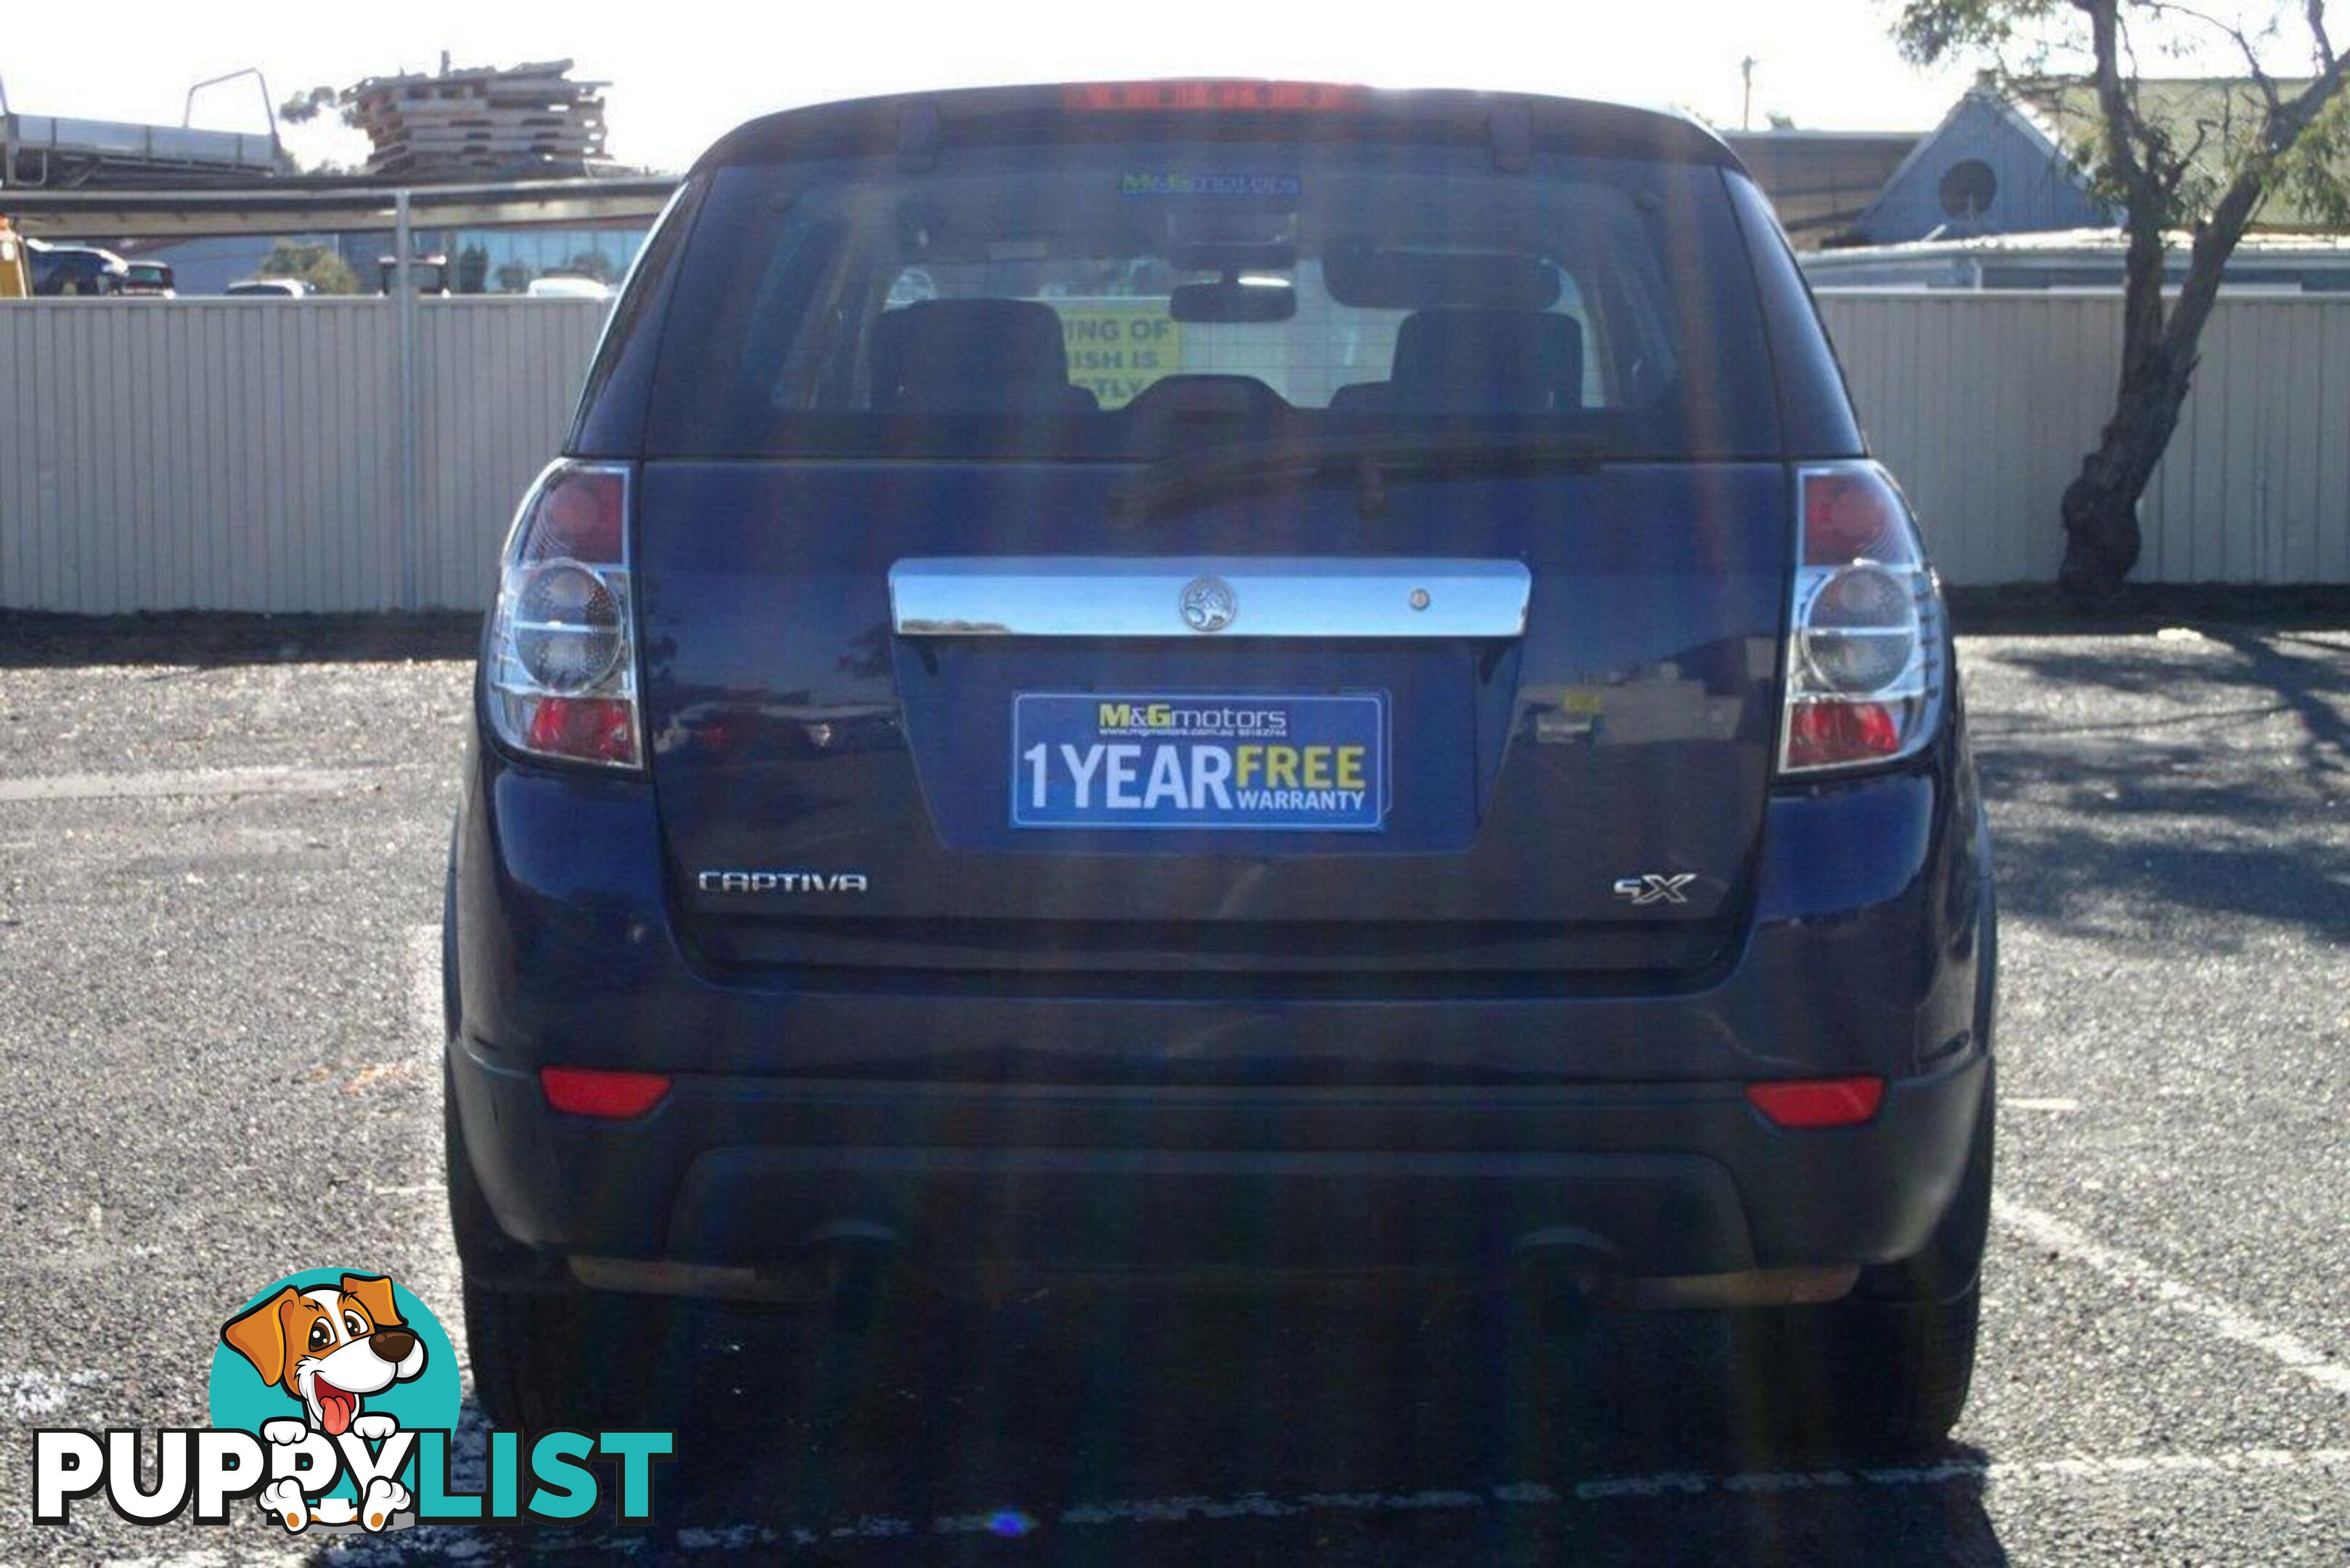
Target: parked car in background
(74, 269)
(151, 280)
(567, 286)
(267, 288)
(1445, 764)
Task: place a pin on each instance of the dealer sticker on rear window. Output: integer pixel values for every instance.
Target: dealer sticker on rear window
(1238, 762)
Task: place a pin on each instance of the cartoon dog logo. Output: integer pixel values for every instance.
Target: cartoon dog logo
(330, 1348)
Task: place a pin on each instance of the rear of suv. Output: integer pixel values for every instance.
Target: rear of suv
(1148, 679)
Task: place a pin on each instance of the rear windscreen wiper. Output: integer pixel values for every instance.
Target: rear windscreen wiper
(1371, 460)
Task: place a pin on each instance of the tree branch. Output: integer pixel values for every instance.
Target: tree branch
(2114, 107)
(2217, 236)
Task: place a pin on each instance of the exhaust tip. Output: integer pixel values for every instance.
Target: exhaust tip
(1562, 1272)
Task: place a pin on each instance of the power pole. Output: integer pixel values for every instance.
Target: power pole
(1746, 110)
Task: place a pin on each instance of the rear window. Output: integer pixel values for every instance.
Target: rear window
(1118, 300)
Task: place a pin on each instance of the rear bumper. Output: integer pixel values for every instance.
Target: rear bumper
(1677, 1180)
(1860, 956)
(977, 1124)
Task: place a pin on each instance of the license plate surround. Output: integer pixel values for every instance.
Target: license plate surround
(1045, 794)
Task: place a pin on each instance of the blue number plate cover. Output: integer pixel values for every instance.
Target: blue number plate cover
(1239, 761)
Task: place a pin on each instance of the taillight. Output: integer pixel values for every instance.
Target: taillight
(562, 661)
(1867, 667)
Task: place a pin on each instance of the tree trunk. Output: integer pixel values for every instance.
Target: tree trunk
(2160, 345)
(2159, 351)
(2100, 506)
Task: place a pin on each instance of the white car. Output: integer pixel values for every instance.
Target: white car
(268, 288)
(566, 285)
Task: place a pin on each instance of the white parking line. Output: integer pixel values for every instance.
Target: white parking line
(1013, 1523)
(35, 1392)
(1675, 1484)
(2067, 1240)
(177, 782)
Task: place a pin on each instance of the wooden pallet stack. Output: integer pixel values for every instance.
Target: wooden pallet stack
(484, 121)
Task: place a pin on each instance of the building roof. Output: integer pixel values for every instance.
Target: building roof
(1821, 180)
(306, 205)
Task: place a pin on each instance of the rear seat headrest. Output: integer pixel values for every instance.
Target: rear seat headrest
(1476, 358)
(971, 356)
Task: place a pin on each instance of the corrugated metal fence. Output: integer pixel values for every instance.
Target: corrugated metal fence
(1983, 404)
(242, 454)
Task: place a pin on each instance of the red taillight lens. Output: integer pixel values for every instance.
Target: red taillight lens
(1210, 96)
(1803, 1103)
(1866, 668)
(1823, 734)
(561, 664)
(1848, 518)
(594, 729)
(578, 516)
(614, 1096)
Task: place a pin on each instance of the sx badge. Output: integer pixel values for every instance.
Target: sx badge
(1655, 888)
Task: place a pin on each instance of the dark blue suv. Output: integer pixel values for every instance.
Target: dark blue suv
(1152, 680)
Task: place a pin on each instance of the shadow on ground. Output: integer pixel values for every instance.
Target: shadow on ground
(212, 639)
(2163, 803)
(1248, 1431)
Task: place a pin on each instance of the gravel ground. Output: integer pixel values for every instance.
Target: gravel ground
(218, 888)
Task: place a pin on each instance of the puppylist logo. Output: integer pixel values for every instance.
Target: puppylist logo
(334, 1399)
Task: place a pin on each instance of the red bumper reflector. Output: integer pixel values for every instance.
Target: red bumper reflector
(1818, 1102)
(615, 1096)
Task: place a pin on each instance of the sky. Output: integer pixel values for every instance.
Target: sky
(682, 74)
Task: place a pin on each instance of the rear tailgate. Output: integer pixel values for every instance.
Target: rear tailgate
(955, 340)
(1583, 797)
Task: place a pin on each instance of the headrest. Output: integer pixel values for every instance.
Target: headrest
(1479, 361)
(974, 355)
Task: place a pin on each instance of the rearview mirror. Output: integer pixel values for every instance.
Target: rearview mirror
(1235, 299)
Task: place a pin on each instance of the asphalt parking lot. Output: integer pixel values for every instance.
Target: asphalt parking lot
(219, 891)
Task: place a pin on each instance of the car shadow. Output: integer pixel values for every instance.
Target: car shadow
(2099, 821)
(208, 639)
(1243, 1429)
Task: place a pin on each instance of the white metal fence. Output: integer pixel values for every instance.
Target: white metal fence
(244, 454)
(1983, 403)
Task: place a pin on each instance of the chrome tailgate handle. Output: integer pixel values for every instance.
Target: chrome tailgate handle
(1321, 597)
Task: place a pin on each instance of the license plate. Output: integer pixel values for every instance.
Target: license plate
(1236, 762)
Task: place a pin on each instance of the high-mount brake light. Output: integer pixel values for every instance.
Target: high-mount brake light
(1868, 665)
(1214, 97)
(562, 665)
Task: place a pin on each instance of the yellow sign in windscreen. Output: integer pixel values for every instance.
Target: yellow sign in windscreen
(1119, 346)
